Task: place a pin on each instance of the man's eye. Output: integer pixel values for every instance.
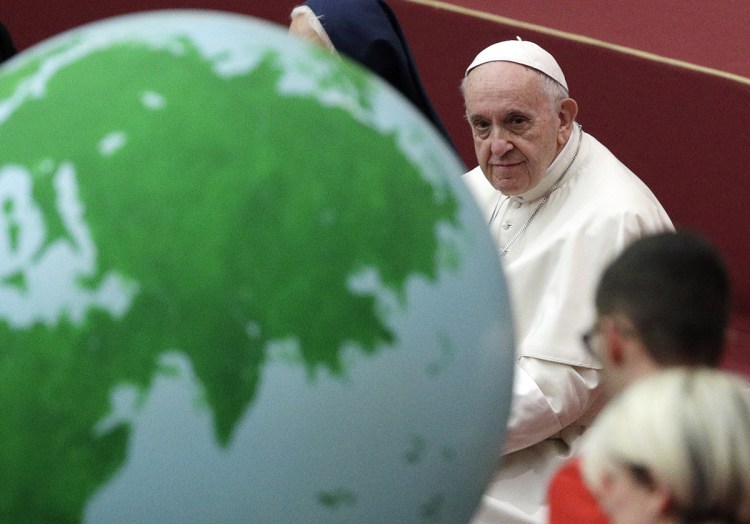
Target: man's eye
(517, 120)
(481, 125)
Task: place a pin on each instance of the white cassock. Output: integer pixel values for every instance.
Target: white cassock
(552, 269)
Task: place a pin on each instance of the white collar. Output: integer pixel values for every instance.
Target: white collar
(555, 169)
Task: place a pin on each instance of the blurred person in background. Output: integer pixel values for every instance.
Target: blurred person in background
(663, 303)
(674, 448)
(368, 32)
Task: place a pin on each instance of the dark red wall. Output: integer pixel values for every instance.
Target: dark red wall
(30, 23)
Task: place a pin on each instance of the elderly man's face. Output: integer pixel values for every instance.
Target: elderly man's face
(517, 129)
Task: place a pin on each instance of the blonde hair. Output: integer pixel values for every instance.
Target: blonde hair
(686, 429)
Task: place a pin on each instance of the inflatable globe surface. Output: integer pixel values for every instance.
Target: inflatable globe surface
(240, 281)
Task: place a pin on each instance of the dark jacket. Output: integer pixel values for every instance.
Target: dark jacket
(7, 49)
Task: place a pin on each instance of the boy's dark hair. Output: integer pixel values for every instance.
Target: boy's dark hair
(674, 287)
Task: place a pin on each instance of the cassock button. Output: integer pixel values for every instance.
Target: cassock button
(506, 225)
(516, 204)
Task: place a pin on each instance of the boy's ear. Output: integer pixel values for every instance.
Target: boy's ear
(613, 342)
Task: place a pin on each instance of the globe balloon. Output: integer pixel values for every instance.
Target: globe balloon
(240, 281)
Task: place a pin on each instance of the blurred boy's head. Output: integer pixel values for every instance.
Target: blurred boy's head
(663, 302)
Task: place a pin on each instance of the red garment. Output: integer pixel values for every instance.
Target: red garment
(570, 501)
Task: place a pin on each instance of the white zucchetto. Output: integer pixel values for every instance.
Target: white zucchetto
(521, 52)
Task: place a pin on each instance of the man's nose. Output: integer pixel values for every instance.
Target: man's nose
(499, 143)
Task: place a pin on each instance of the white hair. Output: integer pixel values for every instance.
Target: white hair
(686, 429)
(555, 91)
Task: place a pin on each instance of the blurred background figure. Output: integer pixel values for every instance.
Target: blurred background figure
(674, 448)
(7, 49)
(368, 32)
(664, 302)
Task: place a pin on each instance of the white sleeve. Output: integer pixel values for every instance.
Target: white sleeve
(555, 380)
(547, 397)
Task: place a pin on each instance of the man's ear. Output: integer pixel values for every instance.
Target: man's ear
(567, 115)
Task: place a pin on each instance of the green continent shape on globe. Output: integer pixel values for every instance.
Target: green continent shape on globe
(236, 217)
